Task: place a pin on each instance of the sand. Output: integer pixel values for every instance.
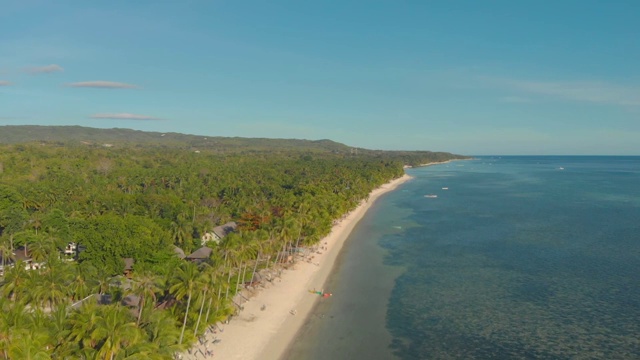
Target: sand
(265, 334)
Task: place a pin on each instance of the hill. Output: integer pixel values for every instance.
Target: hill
(117, 137)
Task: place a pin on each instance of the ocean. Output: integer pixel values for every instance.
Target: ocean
(513, 257)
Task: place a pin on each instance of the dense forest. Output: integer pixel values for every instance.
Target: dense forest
(122, 197)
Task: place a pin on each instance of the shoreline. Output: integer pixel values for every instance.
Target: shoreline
(266, 334)
(433, 163)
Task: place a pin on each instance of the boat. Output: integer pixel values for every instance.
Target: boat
(431, 196)
(445, 188)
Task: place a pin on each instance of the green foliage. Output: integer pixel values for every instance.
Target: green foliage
(110, 238)
(139, 199)
(12, 215)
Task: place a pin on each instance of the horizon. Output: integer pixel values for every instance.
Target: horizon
(462, 77)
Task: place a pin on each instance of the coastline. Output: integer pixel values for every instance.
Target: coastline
(266, 334)
(434, 163)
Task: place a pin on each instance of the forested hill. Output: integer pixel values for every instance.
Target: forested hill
(92, 137)
(99, 137)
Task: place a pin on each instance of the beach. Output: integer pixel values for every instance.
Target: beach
(271, 318)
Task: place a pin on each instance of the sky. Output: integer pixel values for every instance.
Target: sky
(468, 77)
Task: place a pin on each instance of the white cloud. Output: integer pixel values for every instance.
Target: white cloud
(47, 69)
(123, 116)
(103, 85)
(5, 83)
(583, 91)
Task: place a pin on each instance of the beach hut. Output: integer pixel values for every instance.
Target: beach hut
(200, 255)
(179, 252)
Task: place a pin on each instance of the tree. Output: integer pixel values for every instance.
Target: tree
(85, 281)
(12, 215)
(50, 287)
(162, 331)
(114, 331)
(15, 280)
(110, 238)
(145, 287)
(29, 344)
(184, 284)
(82, 323)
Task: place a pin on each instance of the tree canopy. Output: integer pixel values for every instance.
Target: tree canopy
(140, 202)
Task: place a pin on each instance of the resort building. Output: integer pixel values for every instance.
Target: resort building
(219, 232)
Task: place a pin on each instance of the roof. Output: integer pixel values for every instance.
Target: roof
(130, 300)
(224, 230)
(128, 263)
(202, 253)
(179, 252)
(18, 255)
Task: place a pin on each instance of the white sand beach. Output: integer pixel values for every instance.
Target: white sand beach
(257, 333)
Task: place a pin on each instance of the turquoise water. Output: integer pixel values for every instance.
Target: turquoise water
(520, 258)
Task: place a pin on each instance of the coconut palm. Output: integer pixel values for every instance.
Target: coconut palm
(163, 332)
(185, 282)
(58, 328)
(6, 251)
(12, 317)
(50, 287)
(40, 247)
(84, 281)
(82, 323)
(29, 344)
(206, 287)
(115, 330)
(15, 280)
(145, 287)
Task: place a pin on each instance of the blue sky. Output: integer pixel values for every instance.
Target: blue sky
(470, 77)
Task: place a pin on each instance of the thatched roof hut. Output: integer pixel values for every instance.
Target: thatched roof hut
(201, 254)
(179, 252)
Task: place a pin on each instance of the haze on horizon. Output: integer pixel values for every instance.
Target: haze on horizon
(467, 77)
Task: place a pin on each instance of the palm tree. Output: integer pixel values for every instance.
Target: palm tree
(114, 331)
(184, 284)
(12, 316)
(40, 247)
(103, 282)
(163, 332)
(51, 287)
(58, 328)
(29, 344)
(84, 281)
(213, 278)
(145, 286)
(14, 281)
(6, 251)
(35, 220)
(82, 323)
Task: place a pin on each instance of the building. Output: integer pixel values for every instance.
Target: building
(219, 232)
(200, 255)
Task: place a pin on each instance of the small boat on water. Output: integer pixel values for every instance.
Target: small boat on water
(445, 188)
(431, 196)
